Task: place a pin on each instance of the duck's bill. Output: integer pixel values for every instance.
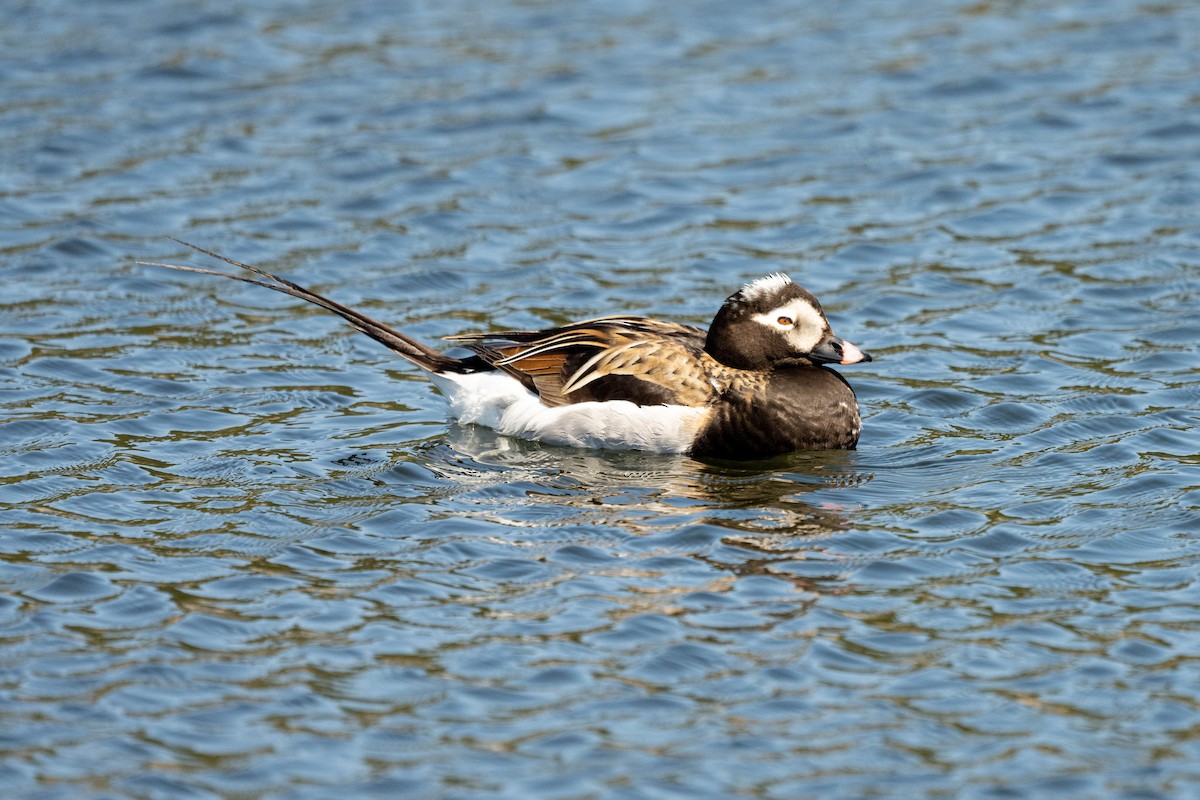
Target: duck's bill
(837, 351)
(852, 355)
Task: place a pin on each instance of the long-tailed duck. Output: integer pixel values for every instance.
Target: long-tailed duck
(754, 385)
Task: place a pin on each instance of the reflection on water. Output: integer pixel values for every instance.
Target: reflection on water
(244, 554)
(756, 517)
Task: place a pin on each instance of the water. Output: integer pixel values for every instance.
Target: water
(245, 555)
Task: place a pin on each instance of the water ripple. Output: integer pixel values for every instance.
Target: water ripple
(245, 555)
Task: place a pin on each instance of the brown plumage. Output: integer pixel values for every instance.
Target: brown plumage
(630, 358)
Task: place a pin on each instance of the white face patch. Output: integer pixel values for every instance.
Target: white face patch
(797, 321)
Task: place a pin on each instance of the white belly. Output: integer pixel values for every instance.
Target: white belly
(497, 401)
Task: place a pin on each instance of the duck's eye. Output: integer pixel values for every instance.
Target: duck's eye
(785, 322)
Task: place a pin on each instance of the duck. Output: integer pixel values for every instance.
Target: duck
(756, 384)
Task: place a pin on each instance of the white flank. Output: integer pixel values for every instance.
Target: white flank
(495, 400)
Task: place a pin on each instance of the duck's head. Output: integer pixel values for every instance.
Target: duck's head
(773, 320)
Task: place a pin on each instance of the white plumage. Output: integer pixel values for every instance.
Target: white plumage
(500, 402)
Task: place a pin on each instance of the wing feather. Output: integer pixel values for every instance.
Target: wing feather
(608, 358)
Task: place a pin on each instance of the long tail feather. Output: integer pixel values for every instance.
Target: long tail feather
(423, 356)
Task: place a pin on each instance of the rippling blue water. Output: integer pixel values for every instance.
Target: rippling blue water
(243, 554)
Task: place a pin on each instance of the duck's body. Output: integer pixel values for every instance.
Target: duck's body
(752, 386)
